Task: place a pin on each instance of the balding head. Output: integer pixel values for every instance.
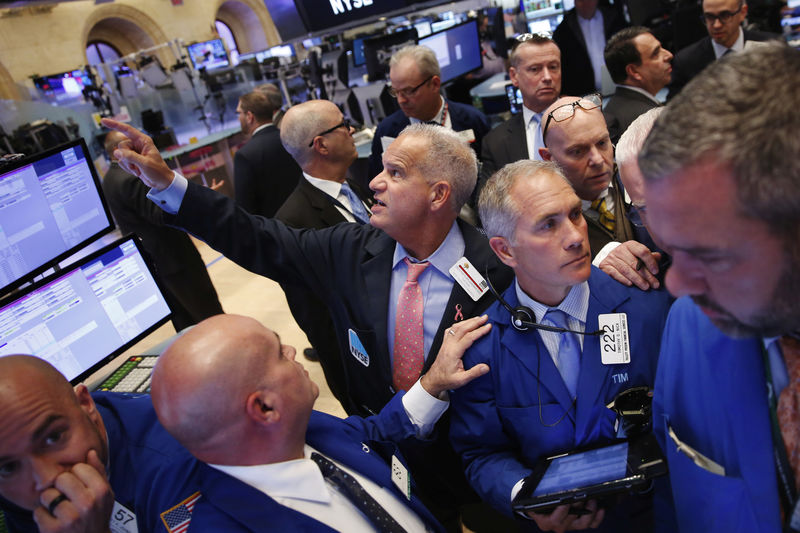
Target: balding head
(576, 137)
(231, 393)
(39, 406)
(302, 125)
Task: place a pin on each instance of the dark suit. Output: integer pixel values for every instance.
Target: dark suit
(229, 505)
(599, 236)
(349, 266)
(577, 75)
(690, 61)
(188, 289)
(462, 117)
(623, 108)
(309, 207)
(505, 144)
(264, 174)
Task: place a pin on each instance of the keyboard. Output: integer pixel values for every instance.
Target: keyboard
(132, 376)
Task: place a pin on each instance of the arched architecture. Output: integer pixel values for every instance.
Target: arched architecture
(127, 29)
(8, 89)
(250, 23)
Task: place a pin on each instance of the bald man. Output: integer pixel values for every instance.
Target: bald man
(188, 288)
(233, 394)
(65, 455)
(576, 137)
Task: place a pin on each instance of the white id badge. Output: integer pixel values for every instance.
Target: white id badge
(467, 135)
(615, 347)
(400, 477)
(469, 278)
(123, 520)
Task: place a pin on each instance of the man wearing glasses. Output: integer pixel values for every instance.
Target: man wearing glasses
(323, 198)
(415, 76)
(723, 20)
(535, 68)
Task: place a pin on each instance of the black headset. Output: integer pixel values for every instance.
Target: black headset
(523, 318)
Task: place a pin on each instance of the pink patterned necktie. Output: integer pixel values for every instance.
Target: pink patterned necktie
(409, 341)
(789, 404)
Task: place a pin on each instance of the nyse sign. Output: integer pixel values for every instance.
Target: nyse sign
(342, 6)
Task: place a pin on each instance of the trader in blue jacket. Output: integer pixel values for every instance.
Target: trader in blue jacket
(71, 461)
(231, 393)
(547, 392)
(722, 185)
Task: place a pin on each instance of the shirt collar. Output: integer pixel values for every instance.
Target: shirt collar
(575, 304)
(641, 91)
(445, 256)
(299, 479)
(261, 127)
(329, 187)
(528, 114)
(738, 45)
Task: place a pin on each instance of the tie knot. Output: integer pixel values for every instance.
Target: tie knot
(557, 317)
(597, 202)
(414, 269)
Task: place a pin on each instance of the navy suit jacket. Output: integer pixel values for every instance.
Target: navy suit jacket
(264, 174)
(309, 207)
(227, 504)
(623, 108)
(462, 116)
(690, 61)
(712, 391)
(495, 423)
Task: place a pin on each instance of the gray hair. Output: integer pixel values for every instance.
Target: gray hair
(745, 119)
(304, 122)
(631, 141)
(449, 158)
(423, 57)
(498, 209)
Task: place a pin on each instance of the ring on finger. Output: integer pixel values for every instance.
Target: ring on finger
(451, 332)
(53, 504)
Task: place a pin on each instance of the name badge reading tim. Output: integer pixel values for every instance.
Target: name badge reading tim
(615, 348)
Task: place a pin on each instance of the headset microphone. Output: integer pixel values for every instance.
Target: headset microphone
(523, 318)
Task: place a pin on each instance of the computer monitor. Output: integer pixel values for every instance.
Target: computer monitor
(51, 206)
(80, 318)
(208, 54)
(63, 86)
(541, 8)
(379, 50)
(423, 28)
(458, 49)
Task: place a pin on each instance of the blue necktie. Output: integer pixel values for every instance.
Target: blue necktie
(569, 351)
(357, 209)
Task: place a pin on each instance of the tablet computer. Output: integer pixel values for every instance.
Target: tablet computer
(622, 466)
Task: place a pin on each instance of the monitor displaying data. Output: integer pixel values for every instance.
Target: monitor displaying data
(80, 318)
(63, 86)
(457, 48)
(50, 206)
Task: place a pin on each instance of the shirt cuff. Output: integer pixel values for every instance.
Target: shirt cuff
(516, 488)
(170, 199)
(601, 255)
(423, 409)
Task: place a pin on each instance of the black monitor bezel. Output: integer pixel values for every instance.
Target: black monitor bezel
(52, 263)
(10, 298)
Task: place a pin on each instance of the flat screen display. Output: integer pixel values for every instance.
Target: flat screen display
(63, 86)
(323, 14)
(78, 319)
(286, 18)
(458, 49)
(51, 205)
(208, 54)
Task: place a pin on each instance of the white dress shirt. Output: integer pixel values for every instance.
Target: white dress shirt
(334, 190)
(738, 45)
(595, 37)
